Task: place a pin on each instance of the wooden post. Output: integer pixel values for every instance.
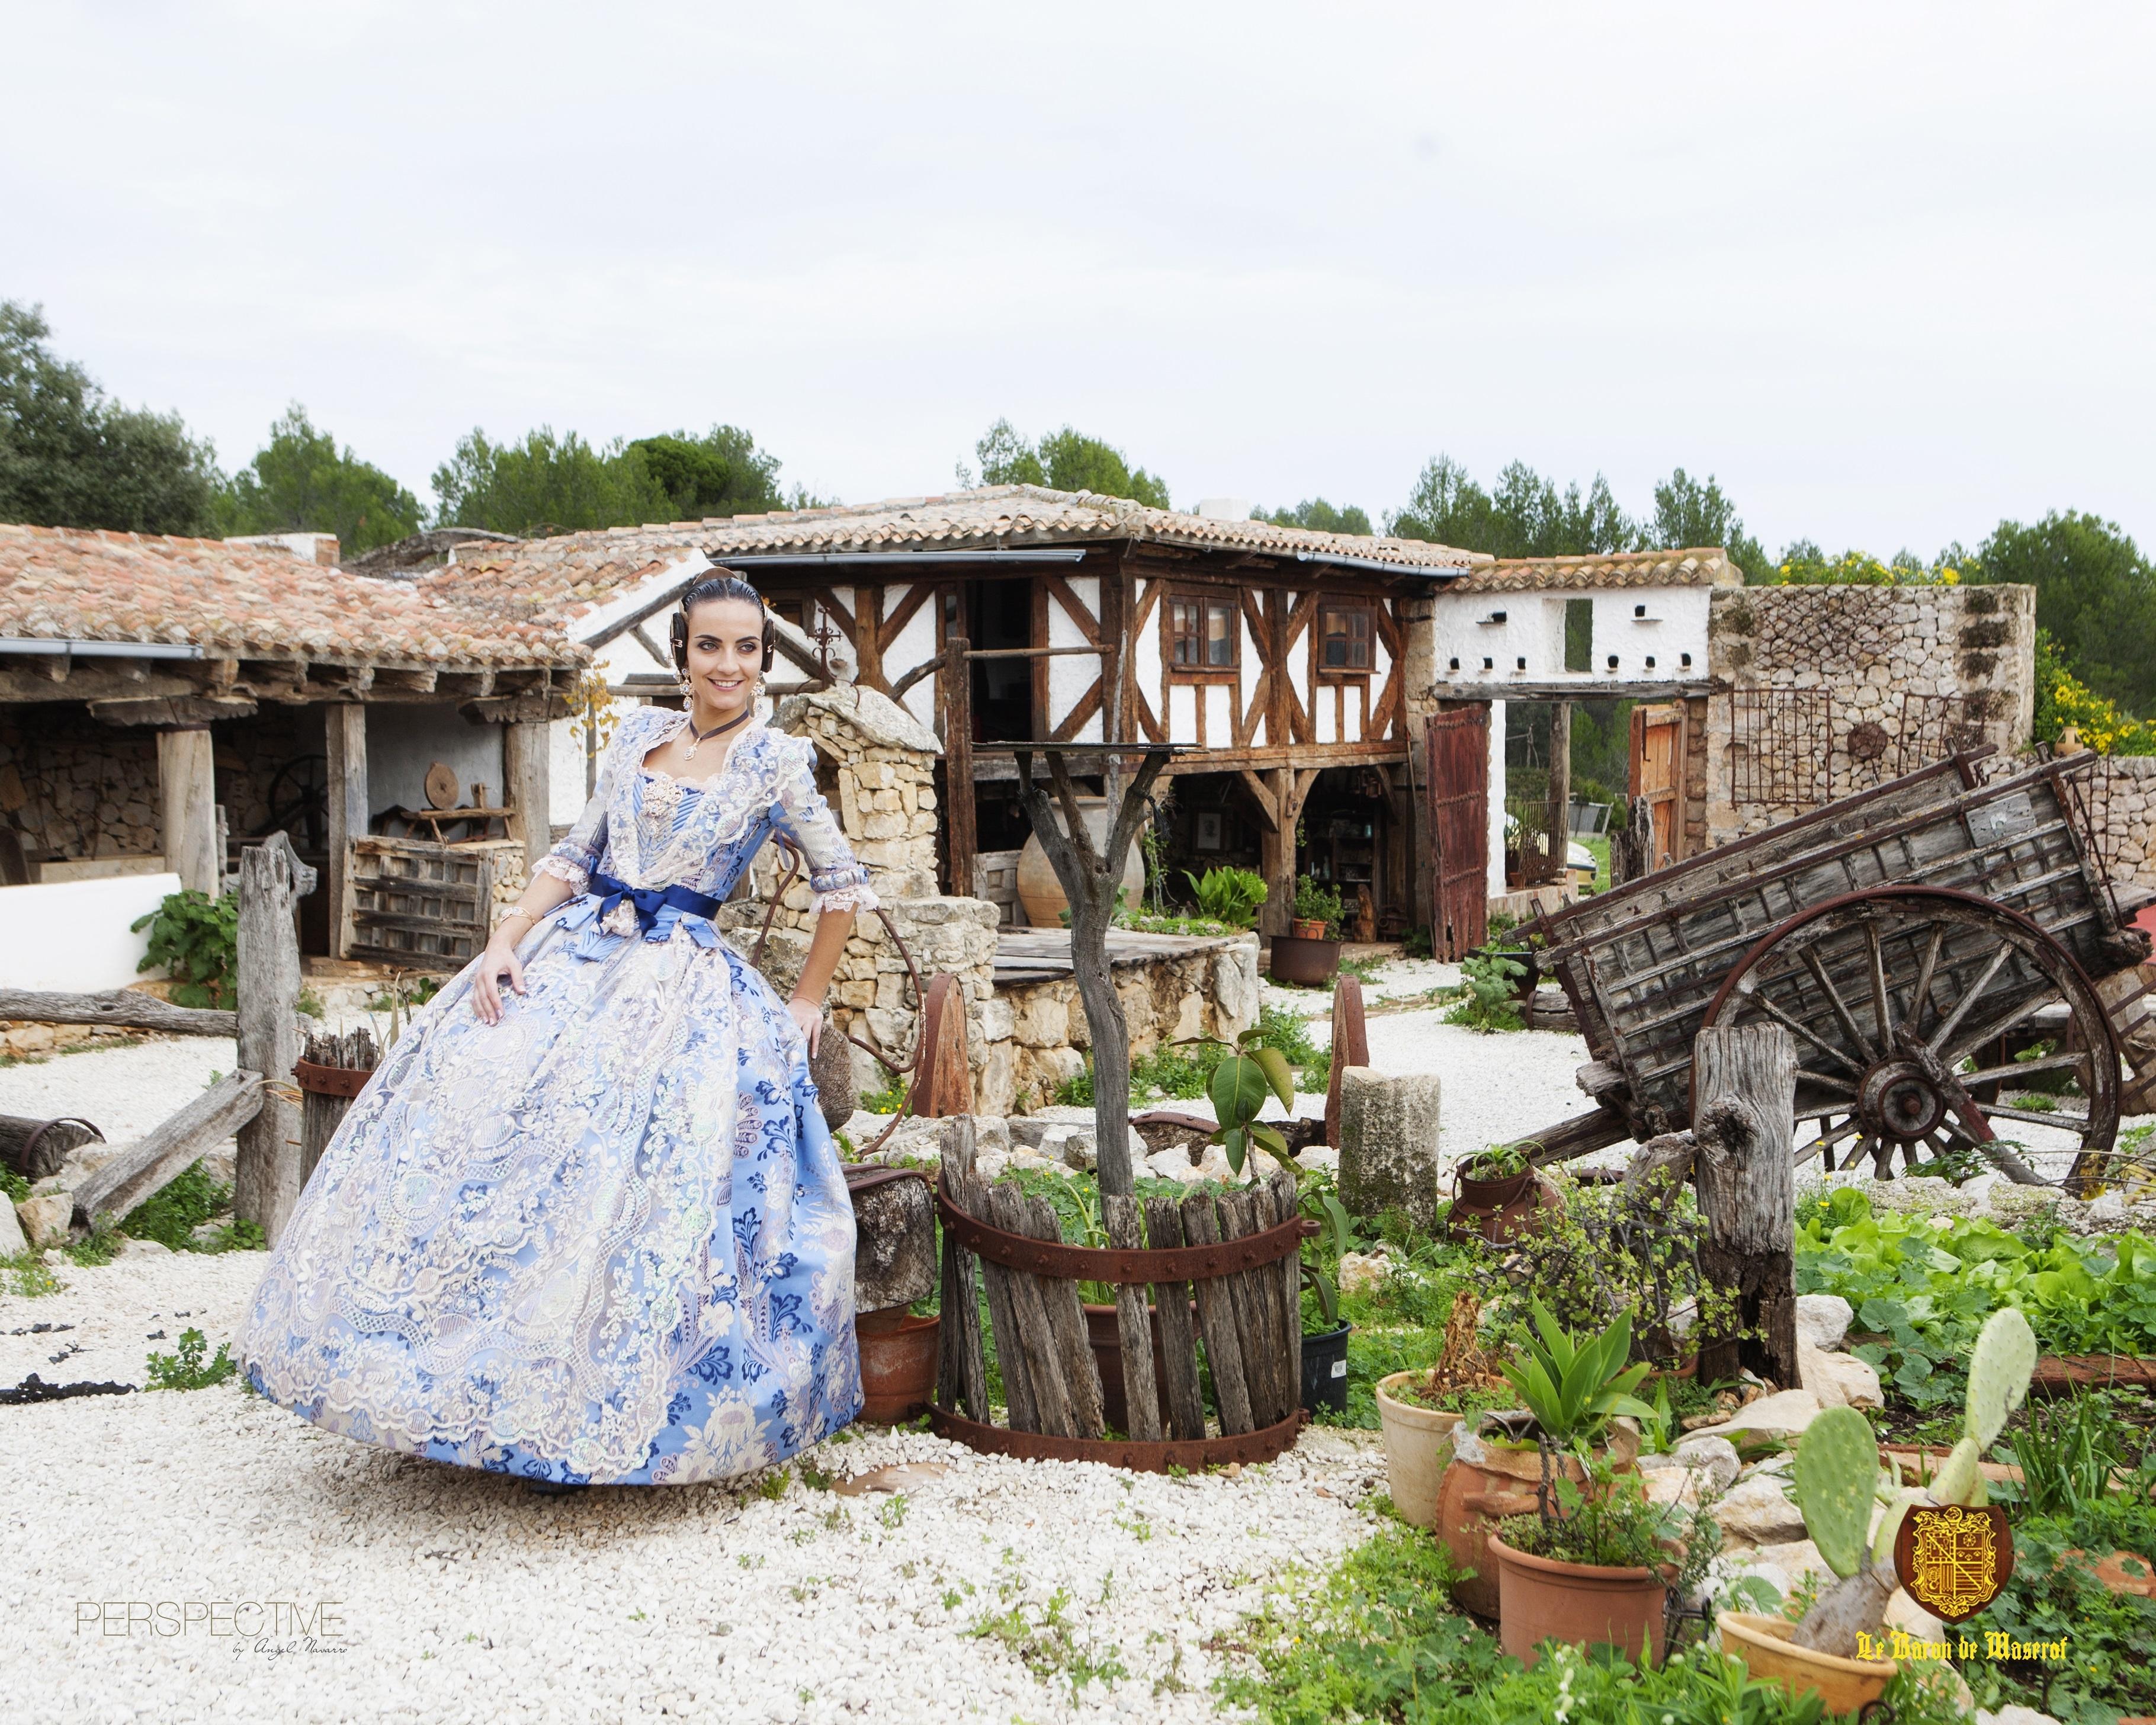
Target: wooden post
(1276, 852)
(1632, 844)
(1185, 1414)
(319, 1115)
(187, 798)
(958, 811)
(344, 739)
(1743, 1128)
(961, 1371)
(1560, 788)
(1133, 1325)
(527, 746)
(266, 1171)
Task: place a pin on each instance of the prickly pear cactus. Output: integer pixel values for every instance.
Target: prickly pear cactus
(1958, 1479)
(1890, 1523)
(1837, 1466)
(1998, 1374)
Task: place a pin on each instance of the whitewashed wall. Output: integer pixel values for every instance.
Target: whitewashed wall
(1663, 623)
(1070, 675)
(915, 645)
(72, 937)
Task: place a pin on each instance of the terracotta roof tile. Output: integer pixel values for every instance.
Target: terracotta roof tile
(253, 602)
(1703, 565)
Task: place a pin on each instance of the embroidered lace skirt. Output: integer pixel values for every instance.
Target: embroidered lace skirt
(604, 1240)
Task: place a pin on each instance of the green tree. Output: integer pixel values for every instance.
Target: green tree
(299, 482)
(2096, 594)
(1316, 513)
(71, 458)
(1066, 460)
(1526, 516)
(547, 484)
(721, 473)
(1688, 514)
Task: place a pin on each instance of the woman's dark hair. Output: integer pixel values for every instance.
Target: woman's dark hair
(724, 585)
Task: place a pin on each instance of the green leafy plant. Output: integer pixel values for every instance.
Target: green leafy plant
(196, 937)
(1317, 904)
(1489, 997)
(1229, 894)
(1837, 1483)
(890, 1098)
(1497, 1161)
(1238, 1088)
(1574, 1387)
(2068, 1455)
(186, 1370)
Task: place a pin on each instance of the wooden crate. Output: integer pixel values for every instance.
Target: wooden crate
(426, 905)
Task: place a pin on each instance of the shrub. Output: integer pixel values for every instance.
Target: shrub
(1229, 894)
(196, 937)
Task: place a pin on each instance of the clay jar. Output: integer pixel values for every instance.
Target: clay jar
(1418, 1449)
(898, 1364)
(1763, 1644)
(1490, 1478)
(1581, 1604)
(1041, 894)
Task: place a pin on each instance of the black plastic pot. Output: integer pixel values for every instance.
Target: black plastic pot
(1325, 1370)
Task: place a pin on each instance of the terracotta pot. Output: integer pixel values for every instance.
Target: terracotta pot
(1107, 1342)
(1040, 894)
(1580, 1604)
(1418, 1449)
(1307, 928)
(1487, 1481)
(1312, 963)
(1676, 1374)
(1482, 1194)
(2123, 1572)
(1482, 1207)
(898, 1364)
(1763, 1644)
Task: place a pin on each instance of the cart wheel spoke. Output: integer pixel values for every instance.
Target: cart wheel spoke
(2075, 1123)
(1920, 996)
(2020, 1069)
(1827, 1081)
(1969, 998)
(1797, 1028)
(1841, 1008)
(1881, 1014)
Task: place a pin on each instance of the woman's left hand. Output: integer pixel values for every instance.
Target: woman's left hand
(810, 1019)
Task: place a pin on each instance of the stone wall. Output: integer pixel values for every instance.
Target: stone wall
(876, 767)
(72, 785)
(1207, 989)
(1823, 691)
(2122, 803)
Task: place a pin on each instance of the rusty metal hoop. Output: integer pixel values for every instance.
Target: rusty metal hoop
(1164, 1264)
(1827, 975)
(1191, 1453)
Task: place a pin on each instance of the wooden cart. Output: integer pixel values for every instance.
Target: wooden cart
(1936, 946)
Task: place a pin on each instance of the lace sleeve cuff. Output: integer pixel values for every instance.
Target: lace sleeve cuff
(562, 869)
(860, 897)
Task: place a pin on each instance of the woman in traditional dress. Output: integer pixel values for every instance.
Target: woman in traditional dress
(590, 1228)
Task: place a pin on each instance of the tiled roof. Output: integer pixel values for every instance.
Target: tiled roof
(1705, 566)
(571, 574)
(250, 602)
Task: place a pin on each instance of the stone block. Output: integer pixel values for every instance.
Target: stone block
(998, 1021)
(1823, 1319)
(44, 1218)
(12, 1241)
(1389, 1153)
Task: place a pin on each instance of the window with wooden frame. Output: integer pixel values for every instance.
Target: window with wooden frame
(1344, 633)
(1202, 633)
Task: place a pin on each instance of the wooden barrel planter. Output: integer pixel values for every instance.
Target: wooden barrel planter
(330, 1073)
(1222, 1270)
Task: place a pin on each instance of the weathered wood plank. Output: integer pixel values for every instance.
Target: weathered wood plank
(1185, 1412)
(54, 1139)
(1022, 1408)
(320, 1116)
(1287, 1207)
(1255, 1312)
(1032, 1331)
(144, 1168)
(1216, 1317)
(266, 1170)
(963, 1376)
(1119, 1215)
(1066, 1319)
(1742, 1132)
(125, 1009)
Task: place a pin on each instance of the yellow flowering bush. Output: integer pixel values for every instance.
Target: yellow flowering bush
(1859, 568)
(2063, 698)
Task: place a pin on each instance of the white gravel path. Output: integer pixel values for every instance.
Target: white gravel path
(458, 1596)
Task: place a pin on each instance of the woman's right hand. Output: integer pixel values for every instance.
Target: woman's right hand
(499, 959)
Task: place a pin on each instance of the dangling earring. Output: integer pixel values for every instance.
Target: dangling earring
(685, 688)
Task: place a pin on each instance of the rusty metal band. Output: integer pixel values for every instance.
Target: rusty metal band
(1247, 1447)
(860, 1178)
(331, 1080)
(1070, 1263)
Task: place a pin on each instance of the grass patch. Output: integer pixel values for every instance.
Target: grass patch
(187, 1369)
(27, 1277)
(1045, 1640)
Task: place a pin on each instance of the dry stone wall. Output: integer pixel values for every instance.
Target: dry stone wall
(2121, 793)
(1823, 691)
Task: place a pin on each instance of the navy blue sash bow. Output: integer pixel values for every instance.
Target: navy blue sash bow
(651, 900)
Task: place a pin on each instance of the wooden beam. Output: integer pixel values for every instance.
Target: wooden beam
(893, 626)
(345, 743)
(389, 681)
(266, 1176)
(124, 1009)
(960, 832)
(1081, 710)
(187, 712)
(187, 797)
(868, 637)
(527, 753)
(1073, 606)
(1268, 812)
(142, 1169)
(535, 707)
(659, 656)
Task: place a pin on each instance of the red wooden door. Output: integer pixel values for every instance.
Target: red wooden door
(1458, 745)
(1658, 748)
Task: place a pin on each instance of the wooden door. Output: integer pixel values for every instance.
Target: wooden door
(1658, 753)
(1458, 746)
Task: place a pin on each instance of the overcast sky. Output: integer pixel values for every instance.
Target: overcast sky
(1886, 270)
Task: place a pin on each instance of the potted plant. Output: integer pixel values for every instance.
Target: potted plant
(1317, 912)
(1238, 1088)
(1577, 1403)
(1837, 1482)
(1494, 1192)
(1597, 1567)
(1419, 1410)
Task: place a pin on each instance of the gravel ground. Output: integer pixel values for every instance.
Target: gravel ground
(459, 1596)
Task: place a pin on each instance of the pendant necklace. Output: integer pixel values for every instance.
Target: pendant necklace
(701, 737)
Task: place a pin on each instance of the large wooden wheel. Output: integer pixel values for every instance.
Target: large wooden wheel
(1900, 999)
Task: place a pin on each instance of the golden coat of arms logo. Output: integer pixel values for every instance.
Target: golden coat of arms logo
(1954, 1560)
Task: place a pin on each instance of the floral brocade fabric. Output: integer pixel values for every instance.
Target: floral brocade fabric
(606, 1239)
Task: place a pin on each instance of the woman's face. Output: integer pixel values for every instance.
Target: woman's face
(726, 653)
